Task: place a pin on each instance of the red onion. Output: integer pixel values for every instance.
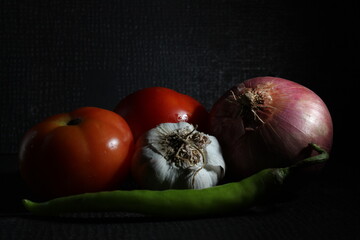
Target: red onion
(269, 122)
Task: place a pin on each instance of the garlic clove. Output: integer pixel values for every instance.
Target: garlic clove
(176, 155)
(214, 157)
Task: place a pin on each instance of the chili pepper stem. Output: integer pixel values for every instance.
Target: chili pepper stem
(320, 158)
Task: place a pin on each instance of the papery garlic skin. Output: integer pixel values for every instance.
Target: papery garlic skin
(177, 156)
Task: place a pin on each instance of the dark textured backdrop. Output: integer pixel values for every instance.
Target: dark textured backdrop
(56, 56)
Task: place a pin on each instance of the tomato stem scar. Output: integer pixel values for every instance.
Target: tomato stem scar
(75, 121)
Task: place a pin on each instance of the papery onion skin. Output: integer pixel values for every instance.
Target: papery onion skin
(273, 129)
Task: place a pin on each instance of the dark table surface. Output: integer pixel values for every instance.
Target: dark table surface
(56, 56)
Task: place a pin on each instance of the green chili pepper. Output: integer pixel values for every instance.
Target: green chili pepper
(218, 200)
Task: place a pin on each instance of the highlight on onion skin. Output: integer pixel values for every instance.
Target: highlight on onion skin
(268, 122)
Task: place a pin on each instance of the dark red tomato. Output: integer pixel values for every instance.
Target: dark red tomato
(148, 107)
(86, 150)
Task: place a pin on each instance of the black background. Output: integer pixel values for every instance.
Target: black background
(56, 56)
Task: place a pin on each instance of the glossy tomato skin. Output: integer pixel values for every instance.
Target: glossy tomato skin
(148, 107)
(86, 150)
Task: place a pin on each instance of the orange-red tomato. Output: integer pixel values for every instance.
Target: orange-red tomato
(148, 107)
(86, 150)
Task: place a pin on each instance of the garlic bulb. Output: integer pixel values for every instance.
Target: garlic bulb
(176, 155)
